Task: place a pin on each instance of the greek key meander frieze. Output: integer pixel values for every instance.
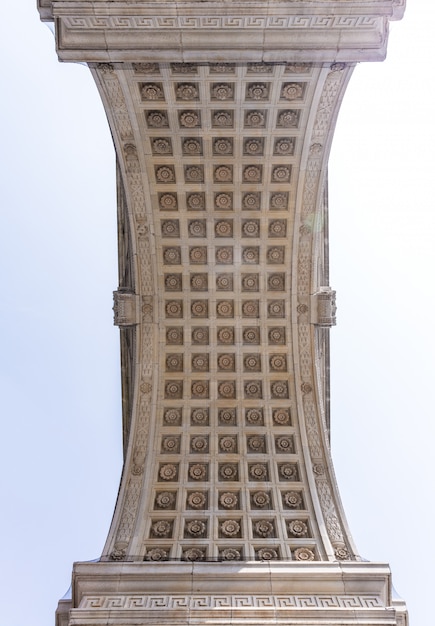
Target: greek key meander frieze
(223, 22)
(214, 242)
(198, 602)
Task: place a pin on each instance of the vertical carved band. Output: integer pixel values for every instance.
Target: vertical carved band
(132, 177)
(314, 180)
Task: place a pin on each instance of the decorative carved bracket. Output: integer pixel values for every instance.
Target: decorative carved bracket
(323, 307)
(125, 308)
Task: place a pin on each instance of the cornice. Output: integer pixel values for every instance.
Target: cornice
(321, 593)
(215, 31)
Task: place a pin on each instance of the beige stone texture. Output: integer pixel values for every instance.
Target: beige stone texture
(222, 116)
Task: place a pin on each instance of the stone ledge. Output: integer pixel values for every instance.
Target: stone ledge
(218, 31)
(62, 612)
(247, 592)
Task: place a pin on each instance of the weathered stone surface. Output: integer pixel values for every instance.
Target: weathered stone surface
(248, 593)
(222, 117)
(213, 31)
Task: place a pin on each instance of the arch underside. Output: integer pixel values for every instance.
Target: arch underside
(226, 307)
(222, 116)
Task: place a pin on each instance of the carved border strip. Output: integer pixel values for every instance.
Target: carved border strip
(313, 180)
(133, 477)
(158, 602)
(364, 22)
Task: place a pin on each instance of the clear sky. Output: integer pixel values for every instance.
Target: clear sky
(59, 373)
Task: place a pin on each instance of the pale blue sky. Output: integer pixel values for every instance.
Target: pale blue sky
(61, 460)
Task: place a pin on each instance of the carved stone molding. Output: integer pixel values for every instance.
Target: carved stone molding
(125, 305)
(250, 594)
(139, 32)
(125, 515)
(323, 307)
(309, 212)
